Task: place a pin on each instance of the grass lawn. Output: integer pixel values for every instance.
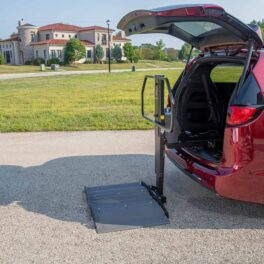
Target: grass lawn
(73, 103)
(6, 69)
(84, 102)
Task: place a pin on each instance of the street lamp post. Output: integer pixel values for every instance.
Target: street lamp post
(109, 39)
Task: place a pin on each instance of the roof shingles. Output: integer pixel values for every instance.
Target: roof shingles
(66, 27)
(60, 27)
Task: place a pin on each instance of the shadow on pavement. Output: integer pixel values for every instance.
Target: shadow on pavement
(55, 189)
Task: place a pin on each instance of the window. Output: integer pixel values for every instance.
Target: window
(104, 41)
(75, 36)
(33, 36)
(62, 35)
(37, 54)
(89, 54)
(249, 93)
(197, 28)
(69, 36)
(53, 54)
(45, 54)
(98, 37)
(47, 36)
(59, 54)
(56, 35)
(221, 73)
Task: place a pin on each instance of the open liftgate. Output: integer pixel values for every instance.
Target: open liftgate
(135, 205)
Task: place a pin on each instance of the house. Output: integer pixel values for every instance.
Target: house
(49, 42)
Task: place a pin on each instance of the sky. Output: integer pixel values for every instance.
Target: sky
(88, 13)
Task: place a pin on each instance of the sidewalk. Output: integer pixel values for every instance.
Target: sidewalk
(58, 73)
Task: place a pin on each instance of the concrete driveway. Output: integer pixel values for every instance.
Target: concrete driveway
(44, 216)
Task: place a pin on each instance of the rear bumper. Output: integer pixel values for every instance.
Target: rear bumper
(232, 183)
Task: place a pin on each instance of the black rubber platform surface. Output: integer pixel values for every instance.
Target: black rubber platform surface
(123, 207)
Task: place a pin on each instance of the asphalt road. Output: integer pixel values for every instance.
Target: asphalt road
(44, 216)
(9, 76)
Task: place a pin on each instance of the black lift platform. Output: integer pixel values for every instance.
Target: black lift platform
(135, 205)
(123, 207)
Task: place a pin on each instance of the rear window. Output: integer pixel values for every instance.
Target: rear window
(226, 73)
(197, 28)
(249, 93)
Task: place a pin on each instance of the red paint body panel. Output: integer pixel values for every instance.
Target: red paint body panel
(258, 71)
(198, 10)
(240, 175)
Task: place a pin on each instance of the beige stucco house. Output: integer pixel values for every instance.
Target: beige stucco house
(49, 41)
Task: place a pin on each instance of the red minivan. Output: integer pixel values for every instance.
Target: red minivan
(218, 134)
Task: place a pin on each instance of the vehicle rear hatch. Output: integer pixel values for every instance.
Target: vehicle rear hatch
(203, 26)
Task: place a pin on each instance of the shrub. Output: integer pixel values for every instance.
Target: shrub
(28, 62)
(88, 62)
(133, 54)
(74, 51)
(99, 53)
(117, 53)
(38, 61)
(53, 61)
(2, 60)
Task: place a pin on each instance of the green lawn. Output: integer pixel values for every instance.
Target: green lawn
(6, 69)
(73, 103)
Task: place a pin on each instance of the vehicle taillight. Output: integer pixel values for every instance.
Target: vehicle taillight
(238, 115)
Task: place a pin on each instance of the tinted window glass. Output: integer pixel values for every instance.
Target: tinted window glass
(197, 28)
(249, 94)
(226, 73)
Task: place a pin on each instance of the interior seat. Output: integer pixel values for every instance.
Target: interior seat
(194, 113)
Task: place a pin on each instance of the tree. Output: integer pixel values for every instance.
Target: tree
(129, 51)
(117, 53)
(159, 53)
(74, 51)
(133, 54)
(99, 53)
(185, 51)
(147, 53)
(2, 60)
(172, 54)
(137, 55)
(147, 46)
